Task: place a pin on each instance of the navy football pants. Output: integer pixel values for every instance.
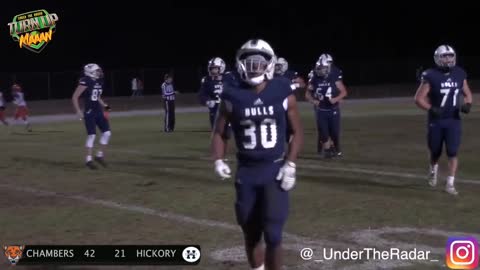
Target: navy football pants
(261, 204)
(328, 126)
(92, 119)
(444, 131)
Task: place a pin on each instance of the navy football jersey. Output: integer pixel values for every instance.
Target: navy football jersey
(232, 78)
(289, 74)
(446, 90)
(325, 88)
(211, 89)
(259, 121)
(92, 93)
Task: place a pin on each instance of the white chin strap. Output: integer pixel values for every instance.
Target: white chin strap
(256, 80)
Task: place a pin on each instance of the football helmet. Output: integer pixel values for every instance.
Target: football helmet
(323, 65)
(93, 71)
(216, 62)
(445, 56)
(281, 66)
(255, 61)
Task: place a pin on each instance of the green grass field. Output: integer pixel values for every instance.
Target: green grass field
(161, 189)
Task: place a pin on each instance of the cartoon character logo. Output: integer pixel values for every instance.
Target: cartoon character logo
(13, 253)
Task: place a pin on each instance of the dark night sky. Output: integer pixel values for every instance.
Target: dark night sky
(137, 34)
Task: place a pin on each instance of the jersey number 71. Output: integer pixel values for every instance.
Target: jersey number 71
(445, 93)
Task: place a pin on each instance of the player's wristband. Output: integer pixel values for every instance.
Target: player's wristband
(291, 164)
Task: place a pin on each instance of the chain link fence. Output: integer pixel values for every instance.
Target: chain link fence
(399, 78)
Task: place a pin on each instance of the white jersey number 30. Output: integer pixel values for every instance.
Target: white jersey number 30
(267, 127)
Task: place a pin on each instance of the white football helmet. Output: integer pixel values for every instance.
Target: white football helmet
(445, 56)
(93, 71)
(327, 57)
(255, 61)
(281, 66)
(216, 62)
(323, 65)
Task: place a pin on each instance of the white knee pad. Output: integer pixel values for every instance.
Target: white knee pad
(105, 137)
(90, 141)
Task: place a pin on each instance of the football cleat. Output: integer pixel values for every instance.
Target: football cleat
(101, 161)
(328, 153)
(450, 189)
(91, 166)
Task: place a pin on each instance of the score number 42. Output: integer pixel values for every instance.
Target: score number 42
(119, 253)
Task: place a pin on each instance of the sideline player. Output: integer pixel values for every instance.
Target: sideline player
(21, 111)
(2, 110)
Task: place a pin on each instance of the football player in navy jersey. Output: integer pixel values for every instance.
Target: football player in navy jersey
(212, 86)
(90, 88)
(281, 70)
(444, 93)
(325, 91)
(266, 166)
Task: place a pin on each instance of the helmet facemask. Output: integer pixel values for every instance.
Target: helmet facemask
(214, 71)
(322, 70)
(278, 69)
(281, 66)
(255, 67)
(445, 57)
(216, 66)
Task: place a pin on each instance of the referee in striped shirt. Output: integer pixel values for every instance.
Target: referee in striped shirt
(168, 95)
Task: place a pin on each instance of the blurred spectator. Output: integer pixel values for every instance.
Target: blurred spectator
(135, 86)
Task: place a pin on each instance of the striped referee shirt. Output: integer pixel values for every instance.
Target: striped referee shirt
(168, 93)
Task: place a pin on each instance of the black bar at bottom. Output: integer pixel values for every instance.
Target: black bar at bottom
(110, 255)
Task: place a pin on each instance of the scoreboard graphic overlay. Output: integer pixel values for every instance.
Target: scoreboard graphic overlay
(103, 254)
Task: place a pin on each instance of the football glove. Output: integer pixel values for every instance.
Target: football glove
(466, 108)
(287, 175)
(435, 111)
(222, 169)
(210, 103)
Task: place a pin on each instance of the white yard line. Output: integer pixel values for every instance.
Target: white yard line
(378, 172)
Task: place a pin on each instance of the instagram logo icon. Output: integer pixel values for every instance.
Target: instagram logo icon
(462, 253)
